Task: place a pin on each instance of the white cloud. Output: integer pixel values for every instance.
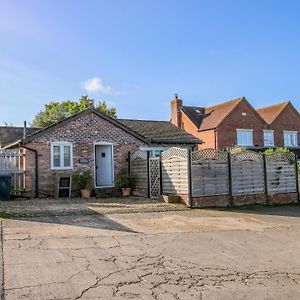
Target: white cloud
(95, 85)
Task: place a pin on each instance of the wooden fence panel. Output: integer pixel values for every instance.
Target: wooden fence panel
(209, 173)
(174, 171)
(10, 162)
(139, 169)
(281, 173)
(247, 171)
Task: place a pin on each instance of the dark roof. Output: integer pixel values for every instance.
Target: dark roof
(75, 116)
(270, 113)
(10, 134)
(160, 132)
(195, 113)
(210, 117)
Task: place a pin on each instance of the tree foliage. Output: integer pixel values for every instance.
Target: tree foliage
(57, 111)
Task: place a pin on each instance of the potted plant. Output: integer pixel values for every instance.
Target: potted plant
(84, 180)
(124, 182)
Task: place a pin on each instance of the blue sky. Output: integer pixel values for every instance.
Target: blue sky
(137, 54)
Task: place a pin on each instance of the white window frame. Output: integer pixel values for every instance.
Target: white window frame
(269, 131)
(154, 148)
(61, 147)
(290, 132)
(243, 130)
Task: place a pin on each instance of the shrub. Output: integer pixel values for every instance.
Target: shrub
(84, 180)
(124, 180)
(271, 151)
(237, 149)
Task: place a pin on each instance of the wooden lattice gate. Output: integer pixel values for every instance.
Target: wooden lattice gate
(154, 177)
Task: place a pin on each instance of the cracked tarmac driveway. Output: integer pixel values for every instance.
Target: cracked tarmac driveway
(198, 254)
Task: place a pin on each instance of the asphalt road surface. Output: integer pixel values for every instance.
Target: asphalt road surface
(198, 254)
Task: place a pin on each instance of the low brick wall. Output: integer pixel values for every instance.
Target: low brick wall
(206, 201)
(248, 200)
(211, 201)
(283, 198)
(226, 200)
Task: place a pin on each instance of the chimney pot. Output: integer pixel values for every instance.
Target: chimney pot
(176, 104)
(24, 129)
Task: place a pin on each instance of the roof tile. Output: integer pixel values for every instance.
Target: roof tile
(160, 131)
(210, 117)
(270, 113)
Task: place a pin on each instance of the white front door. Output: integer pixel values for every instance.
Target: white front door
(104, 165)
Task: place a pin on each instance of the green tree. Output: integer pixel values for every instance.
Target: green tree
(57, 111)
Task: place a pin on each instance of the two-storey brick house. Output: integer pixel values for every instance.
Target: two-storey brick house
(227, 124)
(238, 123)
(283, 122)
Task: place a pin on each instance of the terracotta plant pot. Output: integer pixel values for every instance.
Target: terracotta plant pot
(85, 193)
(126, 191)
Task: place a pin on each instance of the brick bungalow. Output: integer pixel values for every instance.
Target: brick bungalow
(90, 140)
(236, 122)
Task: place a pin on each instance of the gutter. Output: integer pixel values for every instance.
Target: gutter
(175, 142)
(213, 128)
(36, 169)
(215, 137)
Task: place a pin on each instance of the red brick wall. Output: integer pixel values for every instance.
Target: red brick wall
(208, 137)
(226, 132)
(175, 112)
(225, 135)
(82, 132)
(289, 119)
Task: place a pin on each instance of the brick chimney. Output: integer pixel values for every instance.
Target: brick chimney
(176, 104)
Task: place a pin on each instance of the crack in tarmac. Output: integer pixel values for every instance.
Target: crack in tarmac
(147, 269)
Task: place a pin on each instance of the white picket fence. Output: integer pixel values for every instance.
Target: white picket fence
(11, 161)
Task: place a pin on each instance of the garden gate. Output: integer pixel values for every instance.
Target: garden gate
(154, 177)
(11, 161)
(146, 171)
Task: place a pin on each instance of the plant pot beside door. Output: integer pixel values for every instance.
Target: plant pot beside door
(124, 182)
(84, 181)
(126, 192)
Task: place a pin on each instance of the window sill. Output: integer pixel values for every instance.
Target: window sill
(62, 169)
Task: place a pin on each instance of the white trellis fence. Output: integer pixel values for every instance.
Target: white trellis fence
(211, 177)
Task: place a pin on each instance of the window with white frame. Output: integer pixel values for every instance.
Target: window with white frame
(290, 138)
(61, 155)
(244, 137)
(268, 137)
(154, 151)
